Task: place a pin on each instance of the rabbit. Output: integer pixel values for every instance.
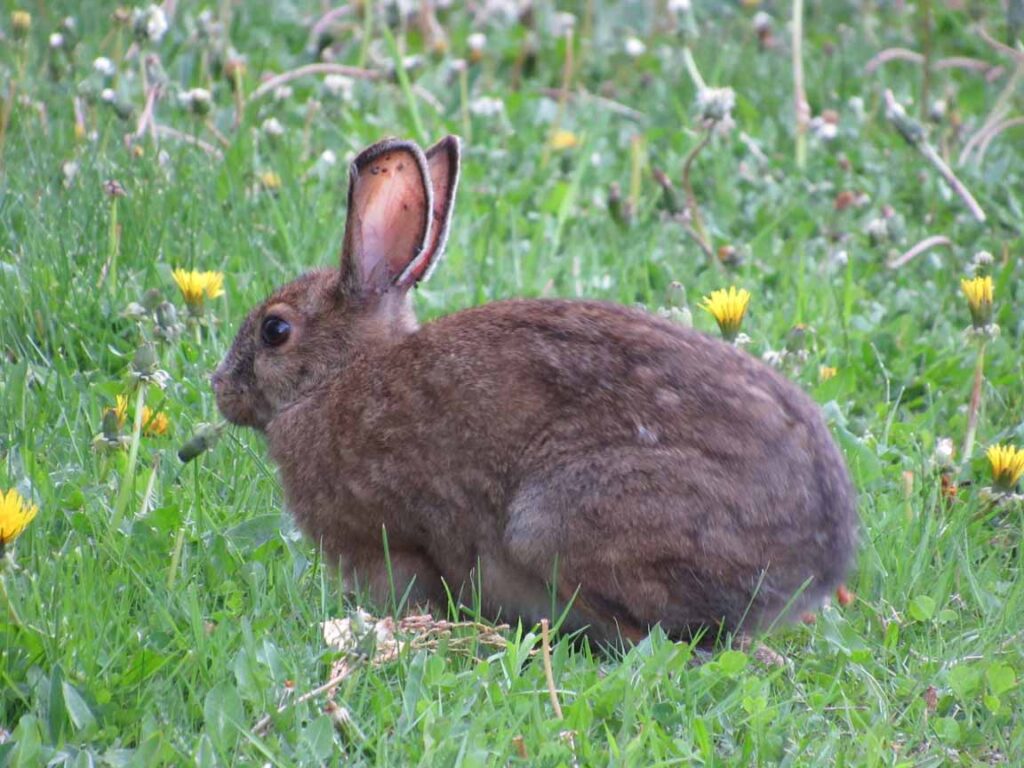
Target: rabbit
(556, 455)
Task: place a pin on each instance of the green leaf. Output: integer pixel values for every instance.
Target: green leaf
(922, 608)
(965, 682)
(254, 532)
(731, 662)
(27, 744)
(1000, 678)
(56, 714)
(81, 714)
(224, 716)
(947, 729)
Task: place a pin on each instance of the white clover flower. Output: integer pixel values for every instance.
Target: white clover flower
(943, 454)
(272, 127)
(486, 106)
(679, 6)
(104, 67)
(150, 23)
(634, 47)
(107, 95)
(981, 261)
(823, 129)
(762, 21)
(715, 103)
(57, 40)
(477, 42)
(856, 105)
(328, 158)
(340, 85)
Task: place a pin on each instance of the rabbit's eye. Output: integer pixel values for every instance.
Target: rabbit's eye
(274, 332)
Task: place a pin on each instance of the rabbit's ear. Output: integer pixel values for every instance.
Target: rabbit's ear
(443, 162)
(389, 221)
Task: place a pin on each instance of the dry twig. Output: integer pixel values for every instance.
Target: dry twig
(917, 250)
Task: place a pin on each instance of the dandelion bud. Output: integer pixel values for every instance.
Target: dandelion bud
(202, 440)
(978, 291)
(234, 69)
(21, 23)
(111, 424)
(144, 361)
(113, 188)
(198, 101)
(715, 104)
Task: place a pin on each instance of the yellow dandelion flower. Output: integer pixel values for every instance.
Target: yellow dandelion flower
(154, 423)
(121, 411)
(1007, 463)
(15, 515)
(564, 140)
(728, 308)
(978, 291)
(21, 23)
(270, 181)
(827, 372)
(197, 286)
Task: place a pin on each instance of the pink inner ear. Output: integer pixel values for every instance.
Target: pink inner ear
(443, 165)
(388, 216)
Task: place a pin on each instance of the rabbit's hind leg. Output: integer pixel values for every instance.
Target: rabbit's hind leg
(400, 575)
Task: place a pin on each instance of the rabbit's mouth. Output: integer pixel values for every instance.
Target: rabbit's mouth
(240, 406)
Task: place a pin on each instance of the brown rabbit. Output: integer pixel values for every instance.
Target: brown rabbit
(646, 473)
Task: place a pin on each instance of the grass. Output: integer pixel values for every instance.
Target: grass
(160, 634)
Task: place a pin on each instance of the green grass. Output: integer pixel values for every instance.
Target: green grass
(162, 638)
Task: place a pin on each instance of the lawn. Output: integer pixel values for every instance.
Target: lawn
(156, 611)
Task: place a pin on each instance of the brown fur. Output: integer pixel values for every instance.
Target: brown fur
(665, 476)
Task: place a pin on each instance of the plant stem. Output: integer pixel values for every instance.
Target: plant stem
(800, 107)
(467, 123)
(691, 198)
(925, 12)
(563, 97)
(128, 481)
(975, 405)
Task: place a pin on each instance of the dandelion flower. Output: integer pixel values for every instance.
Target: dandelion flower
(728, 308)
(827, 372)
(1007, 463)
(15, 515)
(563, 139)
(198, 286)
(120, 410)
(154, 423)
(270, 181)
(978, 291)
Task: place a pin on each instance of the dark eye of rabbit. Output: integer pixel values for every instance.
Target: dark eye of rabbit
(274, 332)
